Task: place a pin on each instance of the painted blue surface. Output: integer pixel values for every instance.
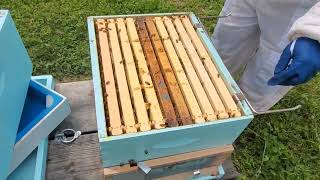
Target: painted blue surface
(34, 166)
(43, 124)
(99, 105)
(35, 107)
(15, 74)
(116, 150)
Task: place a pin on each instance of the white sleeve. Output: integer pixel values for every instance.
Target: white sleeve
(307, 25)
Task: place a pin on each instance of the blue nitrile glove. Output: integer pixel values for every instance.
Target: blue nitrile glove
(299, 66)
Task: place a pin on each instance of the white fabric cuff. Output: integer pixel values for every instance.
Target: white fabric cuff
(307, 26)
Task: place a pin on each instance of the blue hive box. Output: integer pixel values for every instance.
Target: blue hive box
(34, 166)
(121, 149)
(29, 110)
(43, 111)
(15, 73)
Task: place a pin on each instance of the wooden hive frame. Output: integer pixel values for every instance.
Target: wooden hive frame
(171, 81)
(201, 71)
(190, 71)
(156, 116)
(161, 34)
(220, 86)
(162, 59)
(155, 70)
(179, 72)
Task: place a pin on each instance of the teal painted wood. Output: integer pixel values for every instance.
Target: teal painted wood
(34, 166)
(41, 130)
(116, 150)
(15, 74)
(42, 149)
(100, 114)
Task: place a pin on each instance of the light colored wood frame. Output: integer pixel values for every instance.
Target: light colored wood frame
(180, 74)
(191, 73)
(156, 116)
(124, 95)
(110, 94)
(133, 79)
(201, 71)
(222, 89)
(171, 81)
(156, 74)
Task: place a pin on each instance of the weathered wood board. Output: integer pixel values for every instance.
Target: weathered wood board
(81, 99)
(161, 87)
(171, 81)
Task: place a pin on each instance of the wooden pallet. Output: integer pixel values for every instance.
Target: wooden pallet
(157, 73)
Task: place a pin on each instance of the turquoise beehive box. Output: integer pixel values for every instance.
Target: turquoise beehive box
(15, 74)
(126, 148)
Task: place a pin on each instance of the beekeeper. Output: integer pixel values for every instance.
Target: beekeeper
(255, 40)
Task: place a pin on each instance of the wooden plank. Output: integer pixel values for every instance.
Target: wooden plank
(133, 80)
(81, 99)
(110, 94)
(180, 74)
(219, 154)
(163, 94)
(126, 106)
(155, 114)
(170, 79)
(79, 160)
(201, 71)
(220, 86)
(192, 75)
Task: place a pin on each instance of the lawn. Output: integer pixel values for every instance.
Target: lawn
(281, 146)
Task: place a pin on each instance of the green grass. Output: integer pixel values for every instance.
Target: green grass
(282, 146)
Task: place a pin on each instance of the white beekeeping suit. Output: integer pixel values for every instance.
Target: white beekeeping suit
(254, 37)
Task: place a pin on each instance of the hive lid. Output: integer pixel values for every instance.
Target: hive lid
(43, 111)
(34, 166)
(15, 73)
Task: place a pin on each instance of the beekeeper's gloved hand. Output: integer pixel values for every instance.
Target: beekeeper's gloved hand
(299, 66)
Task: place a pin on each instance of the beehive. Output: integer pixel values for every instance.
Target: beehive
(157, 76)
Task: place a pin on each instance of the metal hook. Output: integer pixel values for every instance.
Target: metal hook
(215, 17)
(240, 96)
(255, 112)
(62, 137)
